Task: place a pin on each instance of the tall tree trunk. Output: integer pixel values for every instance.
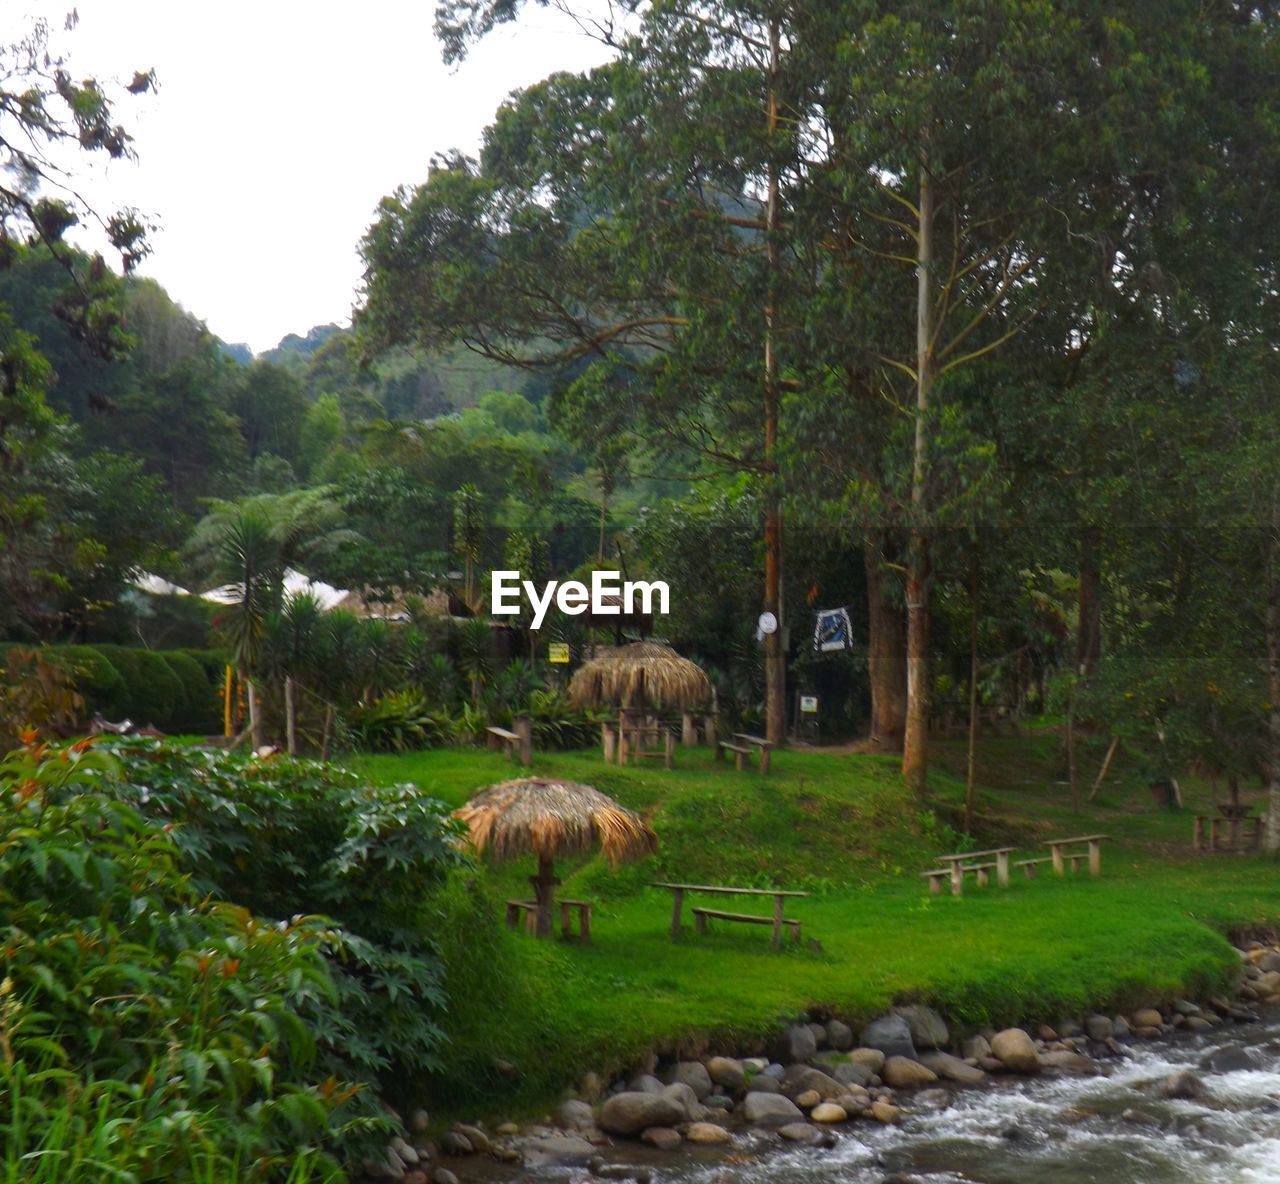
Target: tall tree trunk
(290, 718)
(1089, 603)
(774, 658)
(886, 654)
(915, 762)
(1271, 835)
(970, 779)
(255, 724)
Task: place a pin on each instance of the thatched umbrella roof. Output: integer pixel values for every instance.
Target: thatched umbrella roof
(551, 819)
(645, 672)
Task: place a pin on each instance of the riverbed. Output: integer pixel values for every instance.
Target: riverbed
(1116, 1128)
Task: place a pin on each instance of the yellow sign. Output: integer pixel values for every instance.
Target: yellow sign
(558, 652)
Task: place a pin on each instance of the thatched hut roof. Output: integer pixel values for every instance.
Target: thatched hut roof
(553, 819)
(645, 672)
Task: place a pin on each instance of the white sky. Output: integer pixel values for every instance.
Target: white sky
(277, 127)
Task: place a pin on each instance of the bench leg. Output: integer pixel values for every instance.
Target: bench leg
(531, 922)
(935, 885)
(1056, 853)
(957, 880)
(1095, 859)
(1002, 869)
(740, 760)
(984, 877)
(777, 922)
(795, 934)
(565, 930)
(700, 922)
(584, 923)
(513, 916)
(764, 761)
(1030, 870)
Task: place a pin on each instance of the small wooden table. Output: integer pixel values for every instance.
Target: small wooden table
(1059, 853)
(529, 910)
(779, 898)
(956, 862)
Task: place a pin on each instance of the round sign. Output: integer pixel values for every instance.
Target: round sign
(768, 623)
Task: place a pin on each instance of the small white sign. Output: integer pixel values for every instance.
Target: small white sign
(809, 704)
(768, 623)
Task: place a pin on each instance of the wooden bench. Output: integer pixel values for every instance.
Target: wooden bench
(1059, 853)
(1029, 866)
(982, 872)
(778, 921)
(529, 909)
(758, 742)
(955, 874)
(639, 743)
(701, 916)
(742, 754)
(1238, 839)
(517, 745)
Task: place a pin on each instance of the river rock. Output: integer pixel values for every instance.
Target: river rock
(839, 1035)
(718, 1102)
(557, 1149)
(662, 1137)
(1229, 1060)
(475, 1136)
(828, 1112)
(727, 1073)
(976, 1047)
(885, 1112)
(419, 1122)
(852, 1074)
(928, 1029)
(630, 1113)
(797, 1043)
(691, 1073)
(1184, 1084)
(772, 1110)
(1147, 1017)
(1044, 1032)
(684, 1096)
(872, 1059)
(890, 1035)
(645, 1083)
(574, 1116)
(1198, 1023)
(1067, 1061)
(454, 1143)
(819, 1034)
(1269, 962)
(706, 1133)
(773, 1069)
(798, 1132)
(443, 1176)
(952, 1068)
(1015, 1050)
(762, 1083)
(800, 1079)
(807, 1100)
(1099, 1027)
(905, 1073)
(408, 1154)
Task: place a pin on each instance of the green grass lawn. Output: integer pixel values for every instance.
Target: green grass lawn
(840, 827)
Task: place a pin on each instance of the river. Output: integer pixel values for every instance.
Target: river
(1047, 1130)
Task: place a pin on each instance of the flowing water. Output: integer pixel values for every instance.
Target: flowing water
(1050, 1130)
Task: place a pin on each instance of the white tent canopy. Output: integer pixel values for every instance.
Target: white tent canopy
(327, 596)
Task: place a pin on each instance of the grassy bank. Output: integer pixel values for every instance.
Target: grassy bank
(840, 827)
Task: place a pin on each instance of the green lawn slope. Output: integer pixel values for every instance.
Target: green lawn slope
(527, 1018)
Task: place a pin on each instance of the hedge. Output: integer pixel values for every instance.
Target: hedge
(173, 690)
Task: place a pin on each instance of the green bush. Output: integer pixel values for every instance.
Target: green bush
(202, 712)
(284, 837)
(95, 677)
(398, 722)
(129, 995)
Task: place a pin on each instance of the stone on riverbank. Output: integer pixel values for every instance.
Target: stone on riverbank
(630, 1113)
(686, 1098)
(1099, 1028)
(839, 1035)
(952, 1068)
(904, 1073)
(1147, 1017)
(1229, 1060)
(797, 1043)
(798, 1132)
(770, 1110)
(664, 1138)
(727, 1073)
(706, 1133)
(928, 1029)
(691, 1073)
(1183, 1084)
(872, 1059)
(852, 1074)
(885, 1112)
(574, 1116)
(890, 1035)
(799, 1079)
(829, 1112)
(1014, 1049)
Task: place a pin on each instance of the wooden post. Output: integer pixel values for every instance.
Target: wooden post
(1095, 857)
(957, 878)
(670, 738)
(764, 758)
(935, 886)
(544, 889)
(524, 729)
(1056, 852)
(777, 922)
(984, 877)
(677, 904)
(290, 718)
(584, 923)
(1002, 868)
(609, 743)
(226, 702)
(688, 731)
(711, 731)
(1197, 833)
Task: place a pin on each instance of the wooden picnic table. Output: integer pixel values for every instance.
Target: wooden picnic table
(1057, 850)
(956, 861)
(765, 746)
(677, 905)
